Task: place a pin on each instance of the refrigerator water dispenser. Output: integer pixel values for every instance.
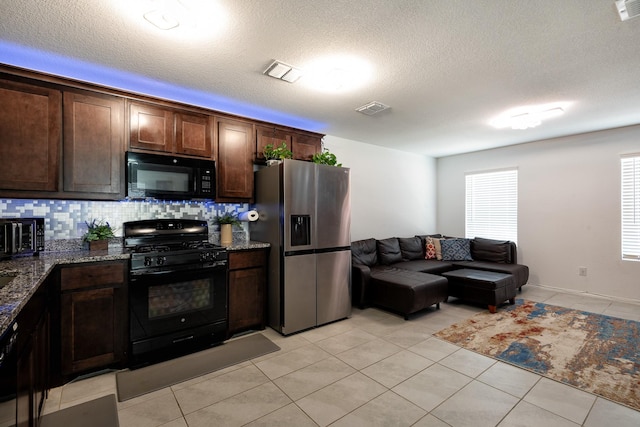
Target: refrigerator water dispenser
(300, 230)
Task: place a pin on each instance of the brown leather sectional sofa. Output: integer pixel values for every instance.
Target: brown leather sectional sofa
(394, 274)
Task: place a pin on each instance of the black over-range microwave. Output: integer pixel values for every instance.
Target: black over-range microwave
(169, 178)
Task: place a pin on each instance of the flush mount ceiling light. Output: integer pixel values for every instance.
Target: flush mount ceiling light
(161, 20)
(282, 71)
(528, 117)
(372, 108)
(184, 21)
(337, 74)
(628, 9)
(168, 14)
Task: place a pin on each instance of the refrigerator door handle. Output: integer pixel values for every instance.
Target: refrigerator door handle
(298, 253)
(336, 249)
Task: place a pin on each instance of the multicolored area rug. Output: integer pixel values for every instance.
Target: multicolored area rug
(593, 352)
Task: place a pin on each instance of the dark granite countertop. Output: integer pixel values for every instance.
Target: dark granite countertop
(247, 245)
(31, 272)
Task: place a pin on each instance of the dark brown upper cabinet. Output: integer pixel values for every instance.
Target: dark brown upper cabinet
(157, 128)
(30, 136)
(305, 146)
(193, 134)
(151, 128)
(93, 143)
(234, 165)
(302, 145)
(266, 135)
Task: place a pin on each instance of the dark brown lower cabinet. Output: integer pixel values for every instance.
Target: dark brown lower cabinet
(247, 290)
(93, 316)
(32, 373)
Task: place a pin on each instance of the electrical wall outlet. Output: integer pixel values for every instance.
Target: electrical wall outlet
(582, 271)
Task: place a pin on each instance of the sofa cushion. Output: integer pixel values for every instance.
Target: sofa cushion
(456, 249)
(426, 266)
(519, 271)
(364, 252)
(411, 248)
(491, 250)
(389, 251)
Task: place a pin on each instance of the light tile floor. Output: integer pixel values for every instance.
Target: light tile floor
(374, 369)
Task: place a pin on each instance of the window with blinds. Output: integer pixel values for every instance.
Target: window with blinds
(491, 207)
(630, 172)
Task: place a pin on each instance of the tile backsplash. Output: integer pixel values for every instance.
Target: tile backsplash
(65, 219)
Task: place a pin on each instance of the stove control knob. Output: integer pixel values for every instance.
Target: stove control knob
(147, 261)
(161, 260)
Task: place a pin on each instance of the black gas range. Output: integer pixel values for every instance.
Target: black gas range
(177, 289)
(169, 245)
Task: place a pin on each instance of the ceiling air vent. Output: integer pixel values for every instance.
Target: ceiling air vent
(373, 107)
(628, 9)
(282, 71)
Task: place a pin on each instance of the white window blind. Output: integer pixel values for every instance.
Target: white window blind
(630, 171)
(491, 208)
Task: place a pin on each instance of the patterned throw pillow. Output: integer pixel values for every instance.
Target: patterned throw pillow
(430, 248)
(456, 249)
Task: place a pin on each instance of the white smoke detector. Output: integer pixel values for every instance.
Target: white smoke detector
(372, 108)
(628, 9)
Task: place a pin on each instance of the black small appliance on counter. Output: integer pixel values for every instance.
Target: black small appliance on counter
(21, 236)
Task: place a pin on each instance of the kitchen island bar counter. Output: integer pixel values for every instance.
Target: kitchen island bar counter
(31, 272)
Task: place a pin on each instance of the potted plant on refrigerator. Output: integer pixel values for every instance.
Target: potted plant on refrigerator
(326, 158)
(275, 155)
(227, 221)
(98, 234)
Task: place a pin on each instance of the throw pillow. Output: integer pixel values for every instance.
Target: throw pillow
(456, 249)
(438, 244)
(430, 248)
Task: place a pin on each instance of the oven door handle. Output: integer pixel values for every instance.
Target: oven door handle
(134, 275)
(153, 273)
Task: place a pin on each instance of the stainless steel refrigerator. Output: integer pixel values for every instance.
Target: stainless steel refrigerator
(305, 214)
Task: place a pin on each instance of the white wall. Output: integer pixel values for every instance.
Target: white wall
(393, 193)
(568, 208)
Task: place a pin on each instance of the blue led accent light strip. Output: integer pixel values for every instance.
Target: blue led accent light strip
(51, 63)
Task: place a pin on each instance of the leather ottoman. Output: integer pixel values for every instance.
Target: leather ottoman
(482, 287)
(406, 291)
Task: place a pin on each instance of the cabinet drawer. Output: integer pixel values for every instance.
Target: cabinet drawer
(247, 259)
(92, 275)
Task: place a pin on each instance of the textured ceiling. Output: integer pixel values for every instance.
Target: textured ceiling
(445, 67)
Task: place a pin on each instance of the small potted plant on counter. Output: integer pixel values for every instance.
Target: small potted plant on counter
(98, 234)
(227, 221)
(275, 155)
